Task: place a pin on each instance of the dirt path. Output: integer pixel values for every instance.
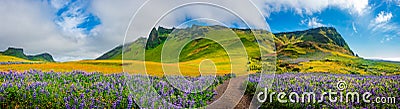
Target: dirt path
(232, 98)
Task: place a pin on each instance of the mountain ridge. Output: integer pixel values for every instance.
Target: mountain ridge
(322, 40)
(337, 38)
(325, 40)
(19, 52)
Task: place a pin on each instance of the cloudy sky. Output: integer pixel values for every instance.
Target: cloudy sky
(85, 29)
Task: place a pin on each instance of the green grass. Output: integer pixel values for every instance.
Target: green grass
(4, 58)
(338, 64)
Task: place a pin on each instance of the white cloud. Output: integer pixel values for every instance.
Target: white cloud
(383, 27)
(383, 58)
(383, 17)
(354, 7)
(30, 25)
(115, 16)
(70, 14)
(58, 3)
(381, 24)
(354, 28)
(312, 22)
(395, 2)
(387, 38)
(119, 13)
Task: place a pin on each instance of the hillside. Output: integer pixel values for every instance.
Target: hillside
(311, 42)
(4, 58)
(198, 48)
(315, 50)
(324, 40)
(19, 53)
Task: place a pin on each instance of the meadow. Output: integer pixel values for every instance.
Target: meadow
(100, 83)
(78, 89)
(188, 68)
(378, 86)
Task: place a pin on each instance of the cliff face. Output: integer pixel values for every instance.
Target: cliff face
(153, 40)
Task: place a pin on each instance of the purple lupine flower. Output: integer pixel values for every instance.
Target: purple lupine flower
(34, 94)
(130, 101)
(215, 92)
(82, 105)
(114, 105)
(67, 105)
(82, 96)
(75, 101)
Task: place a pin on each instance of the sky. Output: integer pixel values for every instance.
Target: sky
(85, 29)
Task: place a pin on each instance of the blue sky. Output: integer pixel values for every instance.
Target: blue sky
(85, 29)
(74, 18)
(374, 34)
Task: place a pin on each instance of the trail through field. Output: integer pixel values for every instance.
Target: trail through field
(230, 95)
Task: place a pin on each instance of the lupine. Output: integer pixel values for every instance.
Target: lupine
(130, 102)
(379, 86)
(34, 94)
(67, 105)
(96, 90)
(82, 105)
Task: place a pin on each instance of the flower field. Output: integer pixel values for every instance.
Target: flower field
(189, 68)
(378, 86)
(77, 89)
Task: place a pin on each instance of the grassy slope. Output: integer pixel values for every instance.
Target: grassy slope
(316, 50)
(63, 67)
(332, 64)
(189, 68)
(345, 65)
(4, 58)
(18, 52)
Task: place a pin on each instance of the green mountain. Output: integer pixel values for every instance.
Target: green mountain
(289, 45)
(317, 41)
(314, 50)
(132, 47)
(19, 52)
(195, 49)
